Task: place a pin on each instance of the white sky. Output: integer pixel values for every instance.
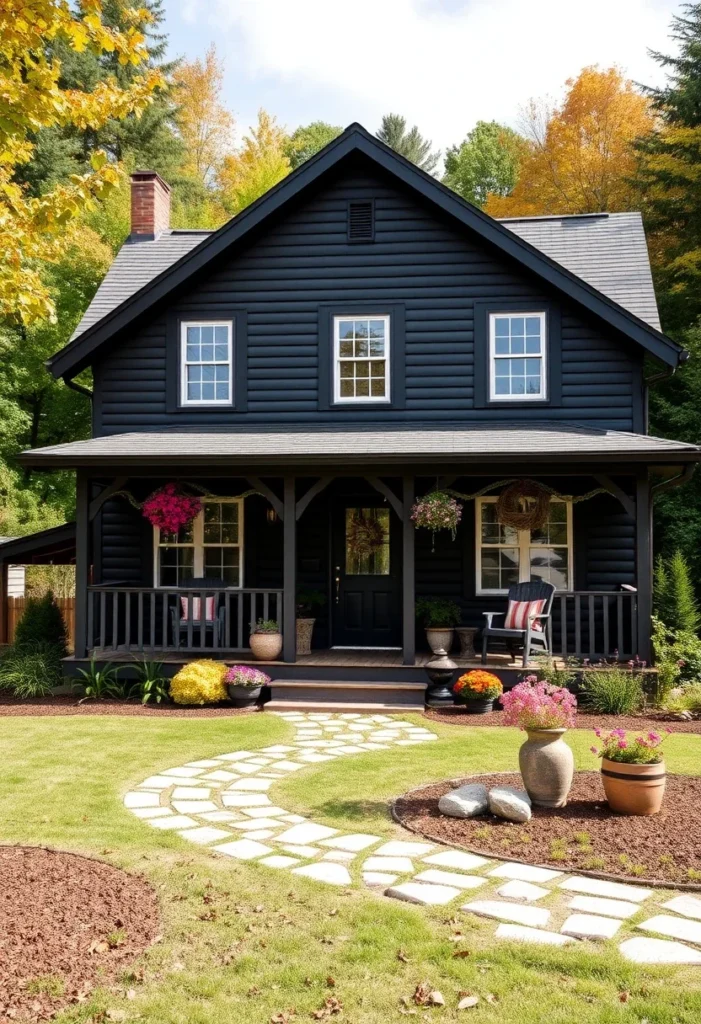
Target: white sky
(443, 64)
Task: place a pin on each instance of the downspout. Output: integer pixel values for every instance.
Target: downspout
(70, 383)
(676, 481)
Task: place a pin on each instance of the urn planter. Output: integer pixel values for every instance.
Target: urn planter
(266, 646)
(440, 638)
(440, 671)
(636, 789)
(305, 629)
(547, 767)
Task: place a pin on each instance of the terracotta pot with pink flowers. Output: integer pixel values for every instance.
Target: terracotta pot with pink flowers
(633, 771)
(545, 712)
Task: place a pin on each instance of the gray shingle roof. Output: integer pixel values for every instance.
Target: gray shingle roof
(608, 251)
(512, 441)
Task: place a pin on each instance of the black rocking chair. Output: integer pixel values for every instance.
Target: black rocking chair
(182, 620)
(533, 641)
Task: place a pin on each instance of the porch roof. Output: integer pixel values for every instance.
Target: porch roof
(53, 546)
(465, 442)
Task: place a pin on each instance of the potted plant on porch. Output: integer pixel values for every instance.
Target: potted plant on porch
(244, 685)
(439, 617)
(266, 640)
(633, 771)
(308, 601)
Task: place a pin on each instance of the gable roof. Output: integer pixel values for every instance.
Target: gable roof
(355, 139)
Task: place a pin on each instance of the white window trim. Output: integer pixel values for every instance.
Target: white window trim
(363, 399)
(524, 545)
(542, 395)
(199, 546)
(184, 324)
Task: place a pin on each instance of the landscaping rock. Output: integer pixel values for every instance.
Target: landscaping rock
(511, 804)
(465, 802)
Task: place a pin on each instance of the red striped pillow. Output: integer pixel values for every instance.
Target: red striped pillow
(519, 613)
(184, 604)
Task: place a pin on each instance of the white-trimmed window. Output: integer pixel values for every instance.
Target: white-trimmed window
(361, 358)
(517, 357)
(212, 545)
(506, 556)
(206, 364)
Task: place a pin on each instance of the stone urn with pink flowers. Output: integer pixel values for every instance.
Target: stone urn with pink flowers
(546, 762)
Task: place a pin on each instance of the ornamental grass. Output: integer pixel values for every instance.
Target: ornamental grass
(200, 682)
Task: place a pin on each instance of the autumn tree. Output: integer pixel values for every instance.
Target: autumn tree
(32, 98)
(488, 161)
(206, 125)
(260, 163)
(582, 157)
(308, 139)
(409, 144)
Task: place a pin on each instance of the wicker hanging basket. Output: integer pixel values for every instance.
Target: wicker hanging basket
(524, 505)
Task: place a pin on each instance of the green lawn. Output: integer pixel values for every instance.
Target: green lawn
(280, 937)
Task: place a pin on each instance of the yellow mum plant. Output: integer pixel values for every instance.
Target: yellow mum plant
(200, 682)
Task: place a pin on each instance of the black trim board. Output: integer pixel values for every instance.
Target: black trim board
(355, 139)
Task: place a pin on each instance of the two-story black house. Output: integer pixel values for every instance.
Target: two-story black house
(356, 338)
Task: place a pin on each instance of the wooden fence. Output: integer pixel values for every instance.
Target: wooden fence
(15, 611)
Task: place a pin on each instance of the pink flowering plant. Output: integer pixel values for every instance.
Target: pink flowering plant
(616, 746)
(535, 704)
(437, 511)
(171, 510)
(244, 675)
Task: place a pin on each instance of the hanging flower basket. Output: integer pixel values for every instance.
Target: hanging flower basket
(365, 535)
(524, 505)
(437, 511)
(171, 510)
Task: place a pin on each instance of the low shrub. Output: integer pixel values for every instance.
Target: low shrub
(612, 691)
(677, 656)
(42, 623)
(101, 682)
(30, 671)
(200, 682)
(560, 674)
(151, 683)
(683, 698)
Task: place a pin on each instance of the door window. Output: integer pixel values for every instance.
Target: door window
(367, 542)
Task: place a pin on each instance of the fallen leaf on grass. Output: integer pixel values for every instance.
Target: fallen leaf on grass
(116, 1015)
(98, 946)
(331, 1006)
(401, 955)
(491, 998)
(461, 954)
(426, 995)
(331, 982)
(468, 1002)
(623, 997)
(253, 991)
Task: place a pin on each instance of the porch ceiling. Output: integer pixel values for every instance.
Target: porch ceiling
(505, 442)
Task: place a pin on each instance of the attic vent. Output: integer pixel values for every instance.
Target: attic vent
(361, 221)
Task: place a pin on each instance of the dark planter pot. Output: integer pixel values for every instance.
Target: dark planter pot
(441, 672)
(244, 696)
(479, 706)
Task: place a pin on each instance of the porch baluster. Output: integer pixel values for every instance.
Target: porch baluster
(127, 620)
(634, 625)
(592, 626)
(563, 626)
(203, 619)
(254, 608)
(164, 621)
(140, 623)
(607, 638)
(620, 642)
(227, 619)
(115, 619)
(103, 617)
(152, 620)
(239, 620)
(577, 626)
(91, 608)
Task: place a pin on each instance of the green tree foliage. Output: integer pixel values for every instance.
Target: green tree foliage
(42, 624)
(409, 144)
(308, 139)
(487, 161)
(674, 598)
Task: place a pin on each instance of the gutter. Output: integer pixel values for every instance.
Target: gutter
(74, 386)
(676, 481)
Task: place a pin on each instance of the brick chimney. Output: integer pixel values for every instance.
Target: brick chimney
(150, 206)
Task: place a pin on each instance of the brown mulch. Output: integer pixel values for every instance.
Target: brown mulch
(66, 923)
(584, 835)
(68, 705)
(585, 720)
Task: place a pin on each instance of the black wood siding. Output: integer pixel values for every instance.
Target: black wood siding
(417, 259)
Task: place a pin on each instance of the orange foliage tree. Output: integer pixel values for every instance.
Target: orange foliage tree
(582, 158)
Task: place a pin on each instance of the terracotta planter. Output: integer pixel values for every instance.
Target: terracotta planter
(244, 696)
(547, 767)
(266, 646)
(305, 628)
(633, 788)
(439, 638)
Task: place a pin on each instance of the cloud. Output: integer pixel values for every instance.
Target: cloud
(442, 63)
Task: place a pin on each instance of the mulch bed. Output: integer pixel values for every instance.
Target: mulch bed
(584, 835)
(68, 705)
(585, 720)
(67, 923)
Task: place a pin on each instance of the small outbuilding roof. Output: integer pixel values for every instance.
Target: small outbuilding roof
(55, 546)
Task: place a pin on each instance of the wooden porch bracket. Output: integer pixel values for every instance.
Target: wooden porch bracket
(313, 491)
(612, 487)
(388, 493)
(118, 484)
(272, 497)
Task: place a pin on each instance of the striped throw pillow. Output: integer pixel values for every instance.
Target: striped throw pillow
(519, 613)
(196, 604)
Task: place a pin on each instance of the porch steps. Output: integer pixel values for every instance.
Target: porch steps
(326, 694)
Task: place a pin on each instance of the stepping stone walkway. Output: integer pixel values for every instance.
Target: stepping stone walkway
(222, 803)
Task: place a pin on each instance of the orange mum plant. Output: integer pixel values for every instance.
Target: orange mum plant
(478, 685)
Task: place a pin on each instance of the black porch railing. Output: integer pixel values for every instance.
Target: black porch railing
(139, 619)
(596, 624)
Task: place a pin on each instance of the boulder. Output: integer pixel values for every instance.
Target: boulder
(464, 802)
(512, 804)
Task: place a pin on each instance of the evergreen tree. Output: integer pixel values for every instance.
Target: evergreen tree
(42, 625)
(409, 144)
(674, 598)
(488, 161)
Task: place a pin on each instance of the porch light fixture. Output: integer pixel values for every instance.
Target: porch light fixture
(271, 515)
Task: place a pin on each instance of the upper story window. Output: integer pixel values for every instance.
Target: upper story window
(361, 358)
(206, 348)
(506, 556)
(211, 546)
(517, 357)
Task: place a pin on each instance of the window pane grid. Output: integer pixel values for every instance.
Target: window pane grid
(206, 362)
(210, 546)
(517, 351)
(361, 357)
(507, 556)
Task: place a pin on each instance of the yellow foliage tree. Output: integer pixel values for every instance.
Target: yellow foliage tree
(205, 124)
(582, 158)
(260, 163)
(32, 230)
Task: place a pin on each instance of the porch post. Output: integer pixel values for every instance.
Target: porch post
(4, 610)
(643, 564)
(289, 580)
(82, 563)
(408, 573)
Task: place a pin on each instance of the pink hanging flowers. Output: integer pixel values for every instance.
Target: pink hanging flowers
(171, 510)
(437, 511)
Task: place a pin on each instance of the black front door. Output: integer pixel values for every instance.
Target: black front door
(366, 578)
